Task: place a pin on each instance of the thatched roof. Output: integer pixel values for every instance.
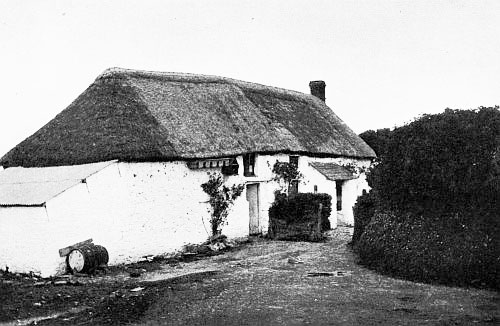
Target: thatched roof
(141, 116)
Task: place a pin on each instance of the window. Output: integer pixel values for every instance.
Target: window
(230, 167)
(211, 163)
(249, 165)
(294, 160)
(338, 185)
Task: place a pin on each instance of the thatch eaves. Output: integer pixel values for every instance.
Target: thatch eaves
(135, 115)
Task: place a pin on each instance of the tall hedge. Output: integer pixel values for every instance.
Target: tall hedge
(448, 162)
(364, 209)
(436, 216)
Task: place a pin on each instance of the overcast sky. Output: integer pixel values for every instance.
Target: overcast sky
(384, 62)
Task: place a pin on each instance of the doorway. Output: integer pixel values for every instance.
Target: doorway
(338, 187)
(340, 216)
(253, 208)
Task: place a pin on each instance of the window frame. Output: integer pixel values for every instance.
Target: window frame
(294, 160)
(249, 164)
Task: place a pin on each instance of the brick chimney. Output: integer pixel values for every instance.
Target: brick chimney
(318, 89)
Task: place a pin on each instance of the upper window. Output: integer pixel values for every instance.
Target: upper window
(294, 160)
(249, 165)
(231, 168)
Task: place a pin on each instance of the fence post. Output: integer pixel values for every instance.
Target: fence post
(320, 210)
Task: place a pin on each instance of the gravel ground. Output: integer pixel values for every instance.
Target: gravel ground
(260, 283)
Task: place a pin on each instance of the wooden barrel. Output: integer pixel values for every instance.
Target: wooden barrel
(86, 258)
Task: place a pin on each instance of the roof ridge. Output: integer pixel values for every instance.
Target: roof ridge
(202, 78)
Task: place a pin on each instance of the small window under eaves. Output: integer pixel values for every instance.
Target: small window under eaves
(294, 160)
(249, 165)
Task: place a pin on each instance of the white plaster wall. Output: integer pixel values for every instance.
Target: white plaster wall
(267, 187)
(81, 212)
(238, 219)
(88, 210)
(352, 188)
(160, 208)
(132, 209)
(23, 238)
(314, 178)
(165, 209)
(350, 191)
(139, 209)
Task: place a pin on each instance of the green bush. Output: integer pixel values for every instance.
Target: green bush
(364, 209)
(447, 249)
(301, 207)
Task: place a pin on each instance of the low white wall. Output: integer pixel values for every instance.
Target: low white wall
(83, 211)
(23, 239)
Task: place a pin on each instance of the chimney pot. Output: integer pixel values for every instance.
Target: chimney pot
(318, 89)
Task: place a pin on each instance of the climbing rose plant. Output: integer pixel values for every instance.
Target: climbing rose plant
(221, 198)
(285, 173)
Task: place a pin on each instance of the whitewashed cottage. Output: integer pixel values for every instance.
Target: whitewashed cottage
(123, 165)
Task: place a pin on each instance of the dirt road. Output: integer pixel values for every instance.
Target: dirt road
(275, 283)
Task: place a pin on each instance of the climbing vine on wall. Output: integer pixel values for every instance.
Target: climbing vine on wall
(221, 198)
(285, 173)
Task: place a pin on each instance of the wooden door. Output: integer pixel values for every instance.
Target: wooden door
(253, 207)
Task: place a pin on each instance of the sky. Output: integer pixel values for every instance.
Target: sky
(384, 62)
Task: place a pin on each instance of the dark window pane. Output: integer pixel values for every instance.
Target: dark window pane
(231, 168)
(248, 165)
